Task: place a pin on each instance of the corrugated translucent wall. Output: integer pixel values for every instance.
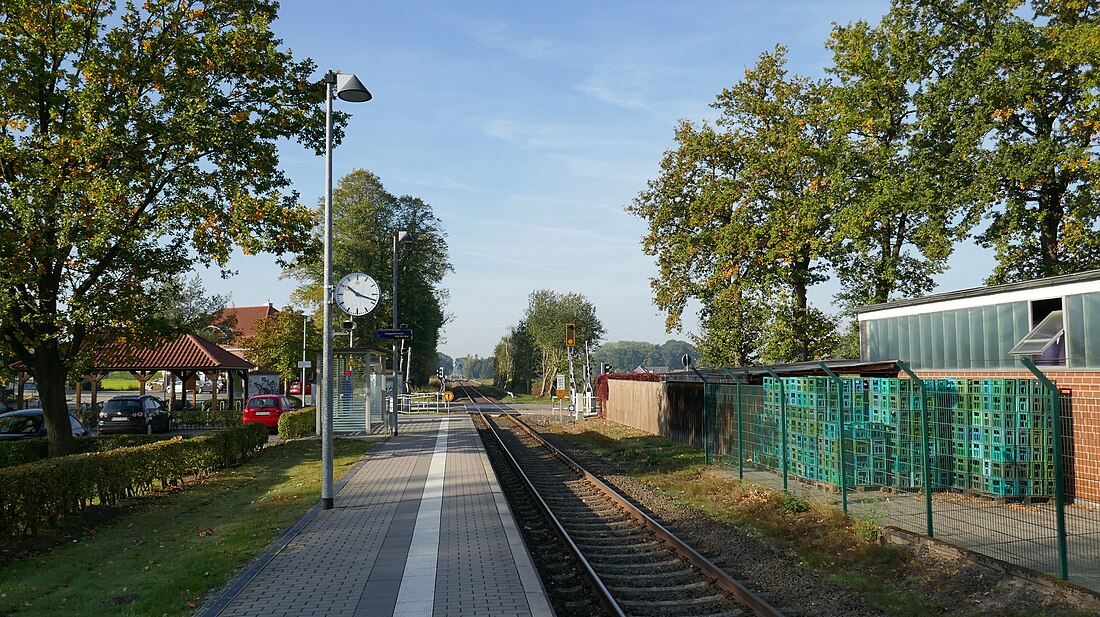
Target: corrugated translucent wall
(979, 337)
(965, 338)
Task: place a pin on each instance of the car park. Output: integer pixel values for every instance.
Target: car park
(134, 414)
(266, 408)
(31, 424)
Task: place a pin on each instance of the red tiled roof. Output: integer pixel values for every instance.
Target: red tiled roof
(186, 352)
(243, 320)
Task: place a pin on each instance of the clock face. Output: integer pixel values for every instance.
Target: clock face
(356, 294)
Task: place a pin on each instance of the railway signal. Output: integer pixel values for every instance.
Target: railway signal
(570, 335)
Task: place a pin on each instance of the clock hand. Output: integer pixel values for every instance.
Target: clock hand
(355, 292)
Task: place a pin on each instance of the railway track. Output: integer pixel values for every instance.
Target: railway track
(615, 558)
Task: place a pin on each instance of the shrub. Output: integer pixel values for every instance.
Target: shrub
(43, 491)
(298, 423)
(30, 450)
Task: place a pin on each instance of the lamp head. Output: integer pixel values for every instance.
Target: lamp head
(350, 89)
(404, 236)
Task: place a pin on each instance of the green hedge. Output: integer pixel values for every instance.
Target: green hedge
(298, 423)
(43, 491)
(30, 450)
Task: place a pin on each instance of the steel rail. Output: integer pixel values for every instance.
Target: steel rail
(601, 590)
(741, 593)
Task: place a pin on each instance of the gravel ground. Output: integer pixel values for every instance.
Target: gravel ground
(947, 586)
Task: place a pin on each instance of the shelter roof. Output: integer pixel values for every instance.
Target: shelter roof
(188, 352)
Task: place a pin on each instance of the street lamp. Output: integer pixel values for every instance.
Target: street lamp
(348, 88)
(405, 238)
(302, 386)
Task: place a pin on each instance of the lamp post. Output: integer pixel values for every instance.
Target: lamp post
(403, 237)
(348, 88)
(302, 384)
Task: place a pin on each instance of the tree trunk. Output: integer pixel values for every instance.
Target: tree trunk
(50, 377)
(1050, 218)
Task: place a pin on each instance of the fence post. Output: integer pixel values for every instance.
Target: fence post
(840, 411)
(1059, 479)
(927, 462)
(706, 386)
(782, 423)
(740, 439)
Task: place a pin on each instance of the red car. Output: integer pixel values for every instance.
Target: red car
(296, 388)
(266, 408)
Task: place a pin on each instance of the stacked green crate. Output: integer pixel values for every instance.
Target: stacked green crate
(988, 435)
(765, 427)
(1015, 459)
(946, 407)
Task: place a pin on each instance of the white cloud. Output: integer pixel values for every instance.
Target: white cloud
(495, 35)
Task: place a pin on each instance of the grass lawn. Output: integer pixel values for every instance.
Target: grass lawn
(162, 554)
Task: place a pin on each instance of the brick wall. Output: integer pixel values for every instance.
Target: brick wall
(1080, 423)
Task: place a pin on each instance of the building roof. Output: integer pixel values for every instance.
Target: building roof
(986, 291)
(188, 352)
(242, 320)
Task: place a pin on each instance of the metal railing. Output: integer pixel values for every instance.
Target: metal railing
(428, 402)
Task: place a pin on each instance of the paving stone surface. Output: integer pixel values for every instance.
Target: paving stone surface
(355, 561)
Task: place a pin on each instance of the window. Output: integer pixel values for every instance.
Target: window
(1042, 337)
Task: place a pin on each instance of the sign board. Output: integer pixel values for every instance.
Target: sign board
(449, 396)
(305, 364)
(394, 334)
(561, 386)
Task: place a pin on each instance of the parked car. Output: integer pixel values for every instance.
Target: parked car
(30, 424)
(296, 387)
(134, 414)
(266, 408)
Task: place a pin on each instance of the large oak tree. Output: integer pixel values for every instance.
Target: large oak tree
(364, 218)
(135, 140)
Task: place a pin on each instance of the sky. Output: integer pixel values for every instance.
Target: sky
(529, 127)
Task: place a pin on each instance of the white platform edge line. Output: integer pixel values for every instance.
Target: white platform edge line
(416, 597)
(528, 576)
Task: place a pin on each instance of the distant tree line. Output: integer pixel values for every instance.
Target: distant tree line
(948, 120)
(625, 356)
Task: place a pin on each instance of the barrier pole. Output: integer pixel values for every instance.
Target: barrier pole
(706, 386)
(1059, 479)
(740, 439)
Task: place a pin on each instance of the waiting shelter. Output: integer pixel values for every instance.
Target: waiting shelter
(183, 357)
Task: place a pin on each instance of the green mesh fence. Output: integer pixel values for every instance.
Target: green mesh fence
(984, 446)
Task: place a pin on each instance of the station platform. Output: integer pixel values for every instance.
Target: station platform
(420, 527)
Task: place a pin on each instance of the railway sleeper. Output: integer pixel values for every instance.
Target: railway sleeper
(645, 593)
(679, 577)
(623, 546)
(632, 569)
(712, 604)
(604, 539)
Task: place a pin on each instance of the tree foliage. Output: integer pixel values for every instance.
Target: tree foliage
(904, 197)
(365, 218)
(741, 212)
(135, 139)
(625, 356)
(277, 344)
(544, 320)
(1015, 90)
